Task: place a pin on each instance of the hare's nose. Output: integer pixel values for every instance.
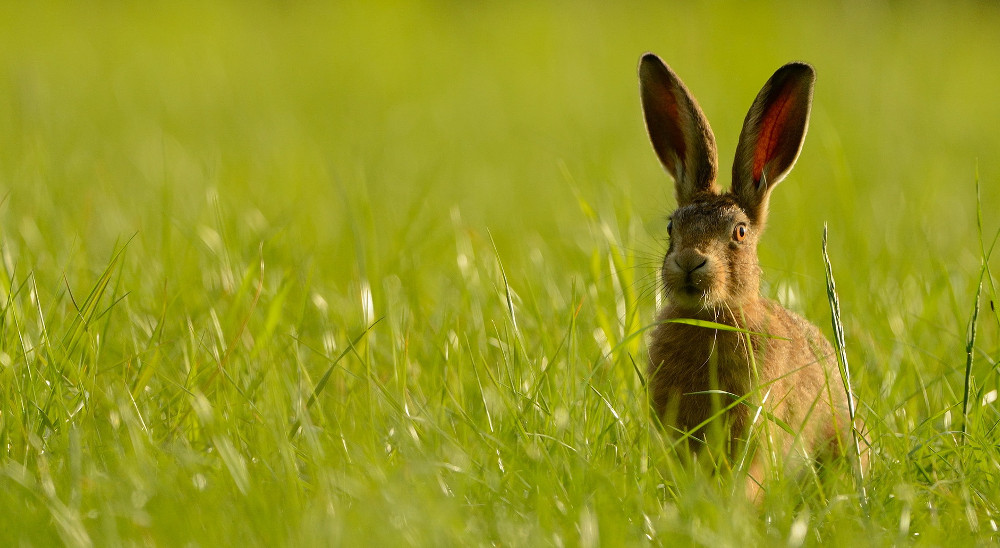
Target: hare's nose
(689, 262)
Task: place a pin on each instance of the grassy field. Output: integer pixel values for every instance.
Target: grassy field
(380, 274)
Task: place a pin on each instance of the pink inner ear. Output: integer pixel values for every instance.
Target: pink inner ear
(772, 126)
(672, 128)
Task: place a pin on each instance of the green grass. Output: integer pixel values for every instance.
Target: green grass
(378, 274)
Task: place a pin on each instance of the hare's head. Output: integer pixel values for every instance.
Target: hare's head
(712, 259)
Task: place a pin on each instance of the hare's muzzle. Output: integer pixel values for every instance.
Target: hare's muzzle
(692, 269)
(690, 262)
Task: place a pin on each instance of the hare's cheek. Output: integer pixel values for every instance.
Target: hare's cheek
(671, 274)
(669, 264)
(713, 278)
(668, 275)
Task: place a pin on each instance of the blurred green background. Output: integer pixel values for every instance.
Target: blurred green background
(358, 158)
(119, 117)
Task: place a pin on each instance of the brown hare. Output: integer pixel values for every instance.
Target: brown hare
(776, 362)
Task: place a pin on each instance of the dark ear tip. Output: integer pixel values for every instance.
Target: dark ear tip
(799, 70)
(650, 62)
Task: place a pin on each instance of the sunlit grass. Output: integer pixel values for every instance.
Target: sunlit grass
(381, 273)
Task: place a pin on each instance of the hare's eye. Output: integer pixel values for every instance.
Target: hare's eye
(670, 226)
(740, 232)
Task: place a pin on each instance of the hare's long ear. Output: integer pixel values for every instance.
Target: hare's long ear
(679, 132)
(772, 136)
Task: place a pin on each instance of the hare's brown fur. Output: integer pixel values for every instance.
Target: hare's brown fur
(789, 380)
(777, 360)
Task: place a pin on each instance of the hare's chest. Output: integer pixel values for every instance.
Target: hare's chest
(693, 378)
(683, 360)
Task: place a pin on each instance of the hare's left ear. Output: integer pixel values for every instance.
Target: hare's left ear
(772, 136)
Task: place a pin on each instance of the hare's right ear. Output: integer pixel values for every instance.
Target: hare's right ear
(678, 129)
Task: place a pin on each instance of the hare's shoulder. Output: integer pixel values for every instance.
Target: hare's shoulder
(808, 339)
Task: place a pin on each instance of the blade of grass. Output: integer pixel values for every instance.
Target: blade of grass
(845, 369)
(329, 371)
